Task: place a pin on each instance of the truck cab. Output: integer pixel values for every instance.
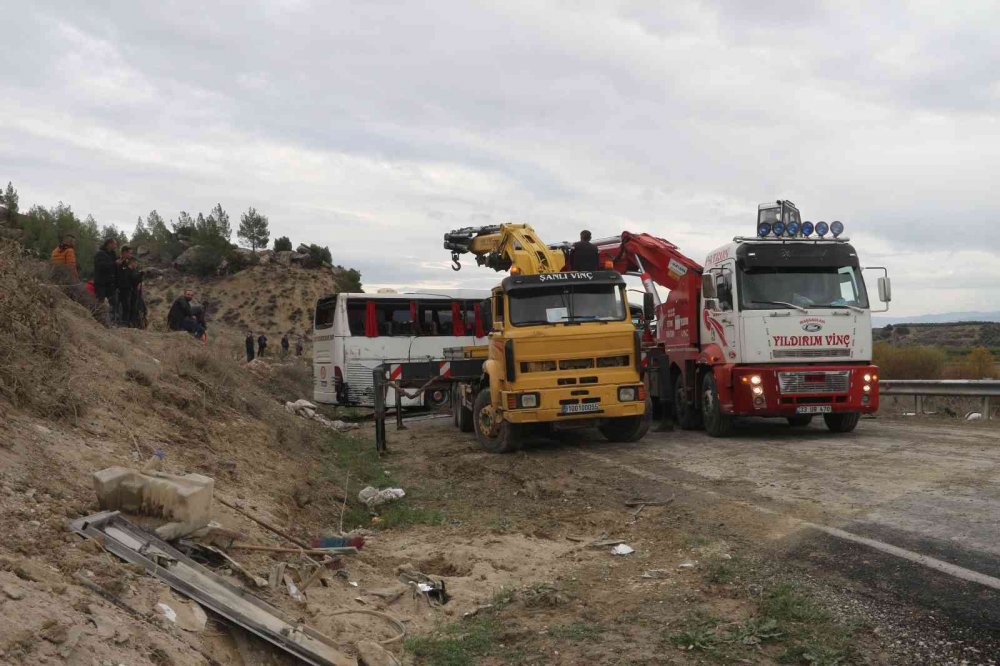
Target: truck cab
(785, 325)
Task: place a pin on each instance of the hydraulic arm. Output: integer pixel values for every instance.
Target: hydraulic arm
(504, 247)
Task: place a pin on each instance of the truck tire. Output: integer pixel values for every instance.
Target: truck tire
(716, 423)
(685, 414)
(628, 428)
(800, 420)
(505, 437)
(843, 422)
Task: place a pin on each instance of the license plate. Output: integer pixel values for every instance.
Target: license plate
(814, 409)
(582, 408)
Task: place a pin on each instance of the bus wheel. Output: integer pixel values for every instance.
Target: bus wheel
(496, 437)
(844, 422)
(717, 424)
(685, 414)
(628, 428)
(800, 420)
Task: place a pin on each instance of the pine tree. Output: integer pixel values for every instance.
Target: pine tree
(141, 233)
(253, 229)
(283, 244)
(220, 222)
(10, 199)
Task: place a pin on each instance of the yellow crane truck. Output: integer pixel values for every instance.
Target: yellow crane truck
(562, 353)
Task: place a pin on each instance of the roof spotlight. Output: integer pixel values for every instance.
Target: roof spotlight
(822, 228)
(836, 228)
(793, 229)
(763, 229)
(807, 228)
(778, 228)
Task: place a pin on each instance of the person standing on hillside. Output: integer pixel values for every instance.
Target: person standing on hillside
(284, 345)
(249, 344)
(261, 345)
(298, 347)
(584, 255)
(128, 284)
(64, 257)
(106, 276)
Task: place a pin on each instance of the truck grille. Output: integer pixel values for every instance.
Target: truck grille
(359, 384)
(822, 381)
(811, 353)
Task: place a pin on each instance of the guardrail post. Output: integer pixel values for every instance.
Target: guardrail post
(986, 407)
(378, 382)
(399, 409)
(918, 404)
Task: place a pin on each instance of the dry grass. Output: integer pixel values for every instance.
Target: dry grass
(34, 372)
(909, 362)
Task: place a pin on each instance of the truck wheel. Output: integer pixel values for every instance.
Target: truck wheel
(502, 437)
(463, 415)
(800, 420)
(685, 414)
(845, 422)
(717, 424)
(628, 428)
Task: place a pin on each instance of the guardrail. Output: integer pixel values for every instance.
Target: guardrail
(918, 388)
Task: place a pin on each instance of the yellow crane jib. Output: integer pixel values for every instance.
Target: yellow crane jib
(505, 247)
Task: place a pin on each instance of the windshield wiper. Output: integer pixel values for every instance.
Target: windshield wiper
(791, 305)
(841, 305)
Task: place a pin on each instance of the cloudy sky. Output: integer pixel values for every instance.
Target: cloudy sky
(374, 127)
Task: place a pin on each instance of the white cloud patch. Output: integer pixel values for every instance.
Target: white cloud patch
(376, 127)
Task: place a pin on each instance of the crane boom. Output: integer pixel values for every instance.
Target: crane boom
(503, 247)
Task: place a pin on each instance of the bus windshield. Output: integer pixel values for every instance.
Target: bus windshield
(566, 304)
(804, 287)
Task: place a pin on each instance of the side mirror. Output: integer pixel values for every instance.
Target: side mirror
(884, 289)
(708, 286)
(648, 307)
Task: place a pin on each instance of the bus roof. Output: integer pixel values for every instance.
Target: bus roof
(429, 294)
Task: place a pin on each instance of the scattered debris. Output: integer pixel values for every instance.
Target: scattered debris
(433, 590)
(186, 500)
(295, 551)
(293, 590)
(687, 565)
(604, 543)
(187, 615)
(215, 593)
(339, 542)
(213, 557)
(622, 549)
(374, 497)
(307, 410)
(655, 573)
(973, 416)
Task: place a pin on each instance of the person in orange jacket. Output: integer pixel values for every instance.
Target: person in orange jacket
(65, 256)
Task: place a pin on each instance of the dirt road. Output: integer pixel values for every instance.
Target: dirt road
(894, 525)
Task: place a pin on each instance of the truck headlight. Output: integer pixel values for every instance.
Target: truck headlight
(529, 400)
(626, 394)
(868, 377)
(866, 388)
(755, 380)
(757, 390)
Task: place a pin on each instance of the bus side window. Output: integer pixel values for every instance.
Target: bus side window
(357, 311)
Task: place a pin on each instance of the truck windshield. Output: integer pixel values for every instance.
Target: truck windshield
(562, 304)
(805, 287)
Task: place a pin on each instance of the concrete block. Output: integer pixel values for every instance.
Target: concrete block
(184, 501)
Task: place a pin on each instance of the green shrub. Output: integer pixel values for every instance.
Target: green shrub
(909, 362)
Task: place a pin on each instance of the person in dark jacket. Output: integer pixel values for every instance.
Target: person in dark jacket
(583, 256)
(128, 287)
(181, 316)
(261, 344)
(106, 275)
(249, 343)
(284, 345)
(298, 347)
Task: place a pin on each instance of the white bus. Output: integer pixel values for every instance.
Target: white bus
(354, 333)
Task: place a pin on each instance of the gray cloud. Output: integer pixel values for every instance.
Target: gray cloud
(374, 127)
